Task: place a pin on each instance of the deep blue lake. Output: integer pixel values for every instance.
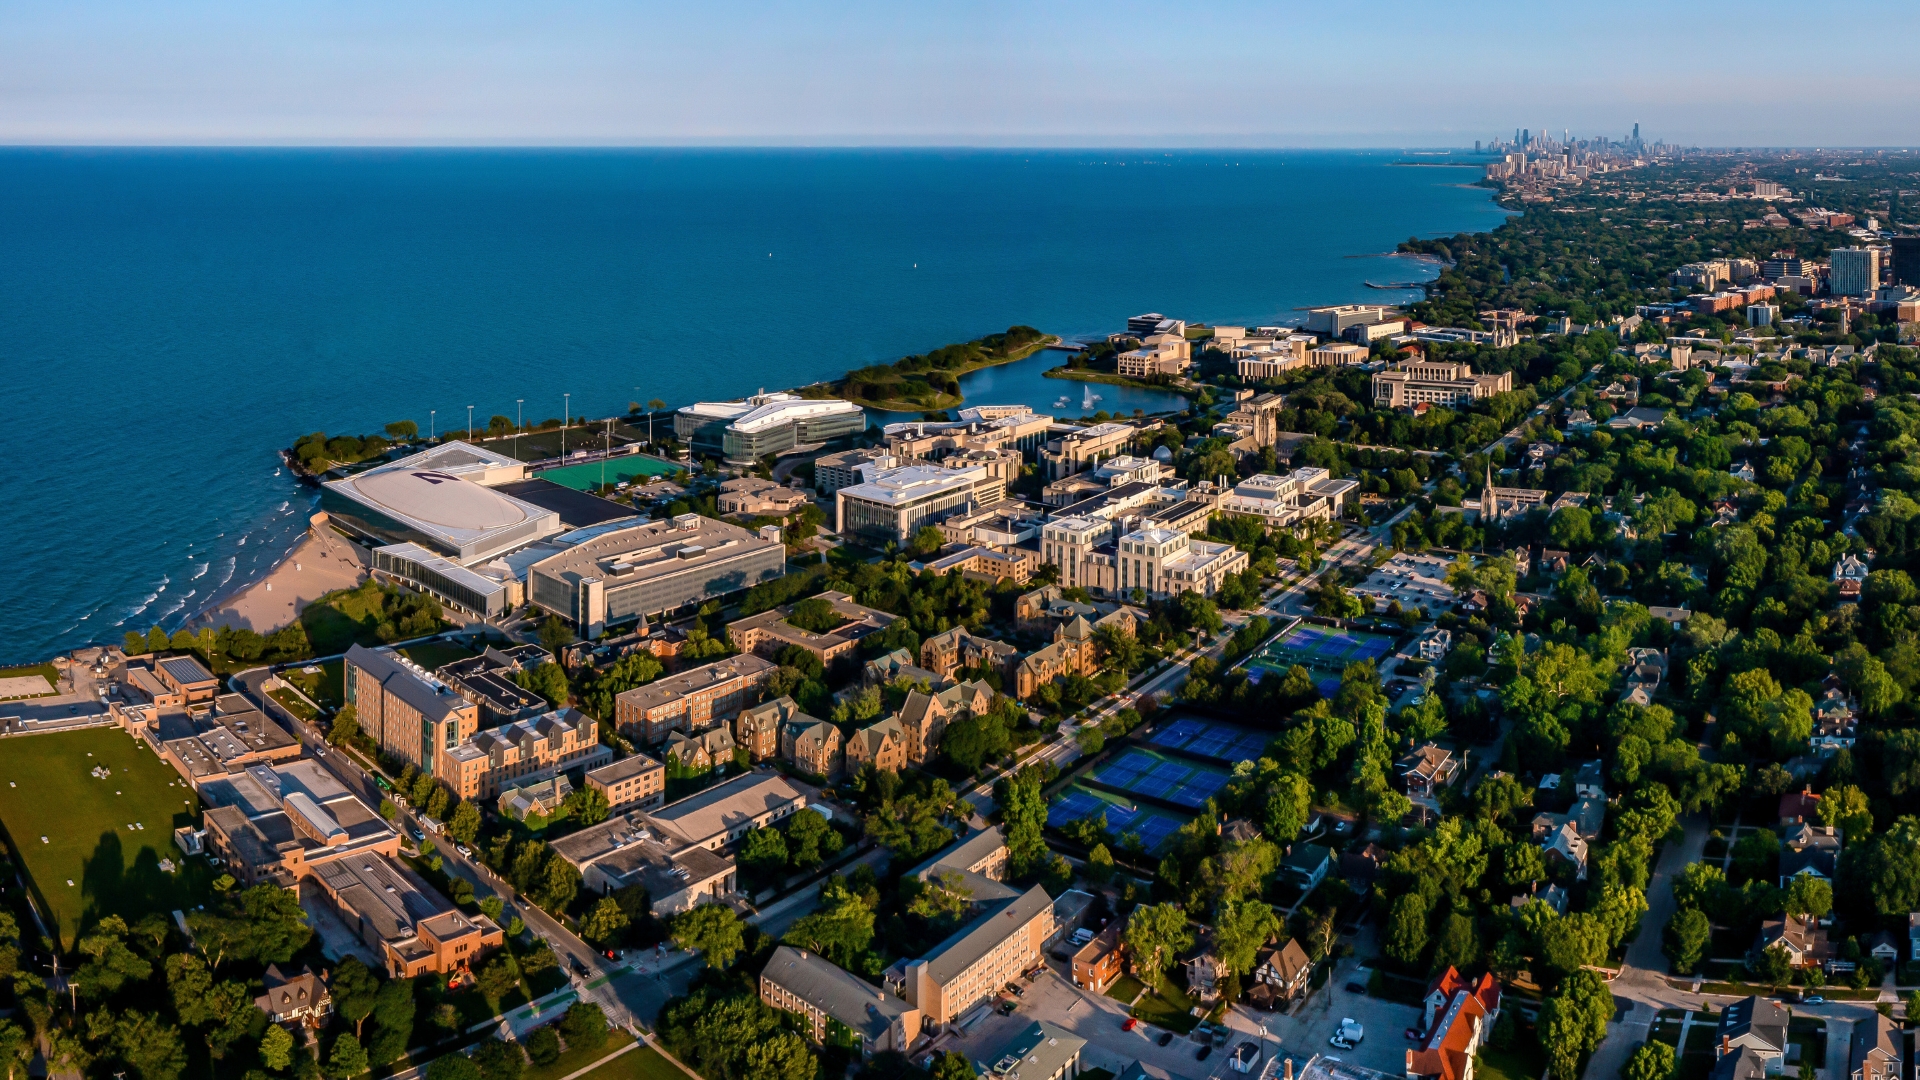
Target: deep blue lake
(169, 319)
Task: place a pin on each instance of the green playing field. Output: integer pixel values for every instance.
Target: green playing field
(93, 845)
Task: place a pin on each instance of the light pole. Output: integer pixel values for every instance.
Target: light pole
(563, 424)
(469, 423)
(432, 430)
(519, 421)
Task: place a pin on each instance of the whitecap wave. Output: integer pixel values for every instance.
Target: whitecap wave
(286, 504)
(202, 572)
(243, 542)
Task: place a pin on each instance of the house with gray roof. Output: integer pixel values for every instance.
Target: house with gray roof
(1757, 1024)
(1041, 1051)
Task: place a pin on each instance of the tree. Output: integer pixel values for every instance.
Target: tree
(1240, 930)
(464, 825)
(1572, 941)
(713, 930)
(1024, 813)
(16, 1049)
(1334, 602)
(1289, 804)
(498, 1060)
(1156, 933)
(604, 922)
(1407, 928)
(942, 898)
(276, 1048)
(453, 1067)
(555, 635)
(1650, 1061)
(765, 849)
(1844, 807)
(1574, 1021)
(264, 924)
(1688, 934)
(1887, 868)
(348, 1058)
(1809, 895)
(543, 1045)
(1458, 944)
(1099, 868)
(497, 978)
(811, 840)
(1772, 966)
(585, 1025)
(953, 1066)
(110, 963)
(354, 991)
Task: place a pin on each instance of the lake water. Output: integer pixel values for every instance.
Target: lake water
(169, 319)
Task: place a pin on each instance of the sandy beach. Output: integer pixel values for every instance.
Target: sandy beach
(319, 565)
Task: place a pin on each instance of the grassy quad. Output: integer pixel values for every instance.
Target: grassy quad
(640, 1063)
(46, 790)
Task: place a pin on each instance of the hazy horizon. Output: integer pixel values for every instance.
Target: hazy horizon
(989, 75)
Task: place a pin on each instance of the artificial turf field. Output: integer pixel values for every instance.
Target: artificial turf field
(46, 790)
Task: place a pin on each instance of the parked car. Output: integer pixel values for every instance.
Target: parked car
(1356, 988)
(1815, 1000)
(1339, 1043)
(1165, 1038)
(1205, 1053)
(1132, 1022)
(1351, 1030)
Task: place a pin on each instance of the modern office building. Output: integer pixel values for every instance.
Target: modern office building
(831, 472)
(1420, 382)
(406, 710)
(1853, 271)
(1079, 449)
(744, 431)
(625, 572)
(1333, 321)
(822, 993)
(891, 505)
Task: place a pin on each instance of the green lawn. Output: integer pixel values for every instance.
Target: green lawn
(572, 1060)
(46, 790)
(643, 1063)
(1167, 1007)
(1525, 1062)
(1125, 989)
(327, 687)
(293, 703)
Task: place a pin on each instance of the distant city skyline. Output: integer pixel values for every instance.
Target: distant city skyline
(989, 73)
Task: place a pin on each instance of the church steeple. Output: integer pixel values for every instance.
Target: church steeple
(1489, 506)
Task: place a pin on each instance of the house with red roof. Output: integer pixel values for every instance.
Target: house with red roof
(1458, 1017)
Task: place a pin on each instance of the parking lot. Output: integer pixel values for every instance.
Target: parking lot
(1305, 1032)
(1095, 1018)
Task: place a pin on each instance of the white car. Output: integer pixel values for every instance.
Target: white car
(1350, 1031)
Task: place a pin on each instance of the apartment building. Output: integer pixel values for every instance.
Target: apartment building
(1435, 382)
(812, 746)
(882, 745)
(1004, 935)
(406, 710)
(757, 730)
(1072, 652)
(692, 700)
(821, 993)
(524, 752)
(487, 681)
(1853, 271)
(635, 781)
(890, 506)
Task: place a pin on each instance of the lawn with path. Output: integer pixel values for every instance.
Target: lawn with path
(47, 790)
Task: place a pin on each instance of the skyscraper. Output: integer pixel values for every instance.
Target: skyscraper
(1906, 260)
(1636, 134)
(1855, 271)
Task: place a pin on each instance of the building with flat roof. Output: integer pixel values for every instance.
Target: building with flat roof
(442, 500)
(692, 700)
(1042, 1051)
(745, 431)
(626, 573)
(486, 591)
(1079, 449)
(1158, 354)
(820, 992)
(1003, 937)
(831, 472)
(226, 739)
(487, 681)
(635, 781)
(893, 504)
(524, 752)
(1166, 562)
(1290, 500)
(187, 677)
(1853, 271)
(416, 930)
(1333, 321)
(988, 427)
(753, 496)
(275, 823)
(406, 710)
(766, 633)
(679, 851)
(1412, 581)
(1435, 382)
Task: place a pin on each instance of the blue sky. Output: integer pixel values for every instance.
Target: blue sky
(986, 73)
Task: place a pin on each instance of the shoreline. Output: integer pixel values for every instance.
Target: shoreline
(311, 568)
(1075, 375)
(1046, 342)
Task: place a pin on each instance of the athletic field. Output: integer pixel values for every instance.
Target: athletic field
(588, 476)
(93, 845)
(1154, 827)
(1220, 742)
(1170, 780)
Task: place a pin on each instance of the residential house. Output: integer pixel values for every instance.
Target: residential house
(1586, 816)
(1588, 782)
(634, 781)
(1800, 937)
(1360, 869)
(1307, 864)
(1434, 646)
(1566, 845)
(1800, 806)
(1426, 770)
(295, 999)
(1810, 850)
(1850, 573)
(1878, 1051)
(698, 753)
(1099, 962)
(1553, 896)
(1458, 1018)
(1882, 947)
(1835, 718)
(1205, 971)
(1282, 973)
(828, 999)
(540, 799)
(1755, 1024)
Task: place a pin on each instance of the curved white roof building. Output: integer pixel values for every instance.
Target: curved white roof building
(765, 424)
(439, 499)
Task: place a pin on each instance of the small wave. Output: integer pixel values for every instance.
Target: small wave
(276, 472)
(202, 572)
(190, 593)
(286, 504)
(243, 542)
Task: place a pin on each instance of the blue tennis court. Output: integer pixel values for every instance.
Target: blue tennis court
(1152, 827)
(1325, 647)
(1143, 772)
(1221, 742)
